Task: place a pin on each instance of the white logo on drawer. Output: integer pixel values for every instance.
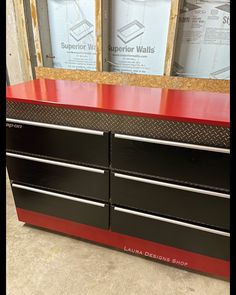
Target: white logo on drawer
(155, 256)
(11, 125)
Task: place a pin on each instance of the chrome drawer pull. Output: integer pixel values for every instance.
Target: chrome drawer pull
(57, 195)
(173, 143)
(52, 126)
(175, 186)
(56, 163)
(218, 232)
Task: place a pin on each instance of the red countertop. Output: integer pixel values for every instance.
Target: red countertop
(167, 104)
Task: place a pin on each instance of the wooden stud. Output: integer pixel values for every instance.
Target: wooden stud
(172, 33)
(44, 32)
(99, 54)
(35, 25)
(30, 35)
(14, 70)
(135, 80)
(22, 39)
(17, 55)
(105, 34)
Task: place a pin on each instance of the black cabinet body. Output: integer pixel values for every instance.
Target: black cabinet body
(63, 179)
(63, 145)
(150, 196)
(190, 239)
(63, 208)
(161, 193)
(185, 165)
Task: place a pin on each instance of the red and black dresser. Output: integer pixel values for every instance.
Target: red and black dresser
(143, 170)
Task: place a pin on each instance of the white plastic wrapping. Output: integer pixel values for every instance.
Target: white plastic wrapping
(202, 48)
(73, 31)
(138, 36)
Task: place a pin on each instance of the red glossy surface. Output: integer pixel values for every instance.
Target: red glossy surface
(174, 256)
(191, 106)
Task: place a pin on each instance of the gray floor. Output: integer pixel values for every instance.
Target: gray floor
(40, 262)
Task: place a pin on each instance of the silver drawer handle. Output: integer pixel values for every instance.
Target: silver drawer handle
(55, 163)
(218, 232)
(52, 126)
(173, 143)
(175, 186)
(57, 195)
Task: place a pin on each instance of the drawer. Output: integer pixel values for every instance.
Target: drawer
(69, 178)
(62, 206)
(186, 163)
(58, 142)
(186, 236)
(187, 203)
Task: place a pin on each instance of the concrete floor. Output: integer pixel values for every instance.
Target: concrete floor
(45, 263)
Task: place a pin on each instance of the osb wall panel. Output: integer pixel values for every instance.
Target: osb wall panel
(135, 80)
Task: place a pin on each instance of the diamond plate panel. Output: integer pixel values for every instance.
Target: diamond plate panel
(216, 136)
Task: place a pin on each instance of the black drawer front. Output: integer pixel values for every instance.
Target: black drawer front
(210, 243)
(62, 206)
(191, 204)
(199, 167)
(80, 182)
(79, 145)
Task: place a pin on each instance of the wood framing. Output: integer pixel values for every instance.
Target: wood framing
(172, 33)
(17, 55)
(136, 80)
(105, 34)
(22, 39)
(35, 25)
(14, 69)
(99, 54)
(43, 30)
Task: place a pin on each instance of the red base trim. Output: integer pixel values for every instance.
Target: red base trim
(178, 257)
